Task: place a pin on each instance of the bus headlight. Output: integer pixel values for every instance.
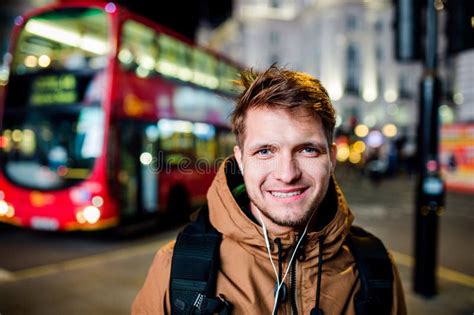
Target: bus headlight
(6, 209)
(89, 214)
(3, 207)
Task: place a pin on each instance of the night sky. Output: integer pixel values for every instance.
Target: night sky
(182, 16)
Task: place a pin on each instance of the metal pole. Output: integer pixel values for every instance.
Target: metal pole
(430, 187)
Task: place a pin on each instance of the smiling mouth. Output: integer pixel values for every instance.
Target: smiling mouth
(287, 194)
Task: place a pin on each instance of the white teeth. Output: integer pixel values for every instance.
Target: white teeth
(285, 195)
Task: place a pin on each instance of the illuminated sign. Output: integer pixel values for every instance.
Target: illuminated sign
(54, 90)
(457, 156)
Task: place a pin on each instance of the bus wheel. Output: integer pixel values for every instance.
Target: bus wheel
(178, 204)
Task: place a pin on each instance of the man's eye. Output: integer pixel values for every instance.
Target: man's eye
(311, 151)
(264, 152)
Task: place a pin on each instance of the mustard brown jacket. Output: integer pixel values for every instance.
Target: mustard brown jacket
(246, 277)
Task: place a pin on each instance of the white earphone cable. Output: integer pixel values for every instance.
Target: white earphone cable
(267, 244)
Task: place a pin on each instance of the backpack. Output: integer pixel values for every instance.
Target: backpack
(196, 261)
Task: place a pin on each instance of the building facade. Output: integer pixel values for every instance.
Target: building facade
(349, 46)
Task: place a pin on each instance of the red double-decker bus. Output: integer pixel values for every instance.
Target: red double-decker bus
(108, 118)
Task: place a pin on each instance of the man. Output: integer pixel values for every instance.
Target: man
(283, 218)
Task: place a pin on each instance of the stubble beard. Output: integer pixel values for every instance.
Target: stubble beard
(297, 222)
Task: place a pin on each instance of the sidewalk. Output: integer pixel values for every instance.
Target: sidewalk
(452, 298)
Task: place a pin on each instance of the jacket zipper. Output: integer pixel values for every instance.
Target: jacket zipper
(294, 306)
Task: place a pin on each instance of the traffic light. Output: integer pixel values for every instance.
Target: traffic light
(408, 29)
(459, 25)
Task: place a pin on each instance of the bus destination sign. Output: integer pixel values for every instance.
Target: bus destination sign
(54, 90)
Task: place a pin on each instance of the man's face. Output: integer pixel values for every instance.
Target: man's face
(287, 165)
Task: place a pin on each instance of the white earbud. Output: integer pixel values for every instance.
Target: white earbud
(241, 169)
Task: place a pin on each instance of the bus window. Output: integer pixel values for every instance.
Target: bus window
(183, 60)
(64, 39)
(176, 140)
(52, 149)
(206, 145)
(146, 52)
(204, 69)
(227, 74)
(175, 59)
(139, 49)
(225, 142)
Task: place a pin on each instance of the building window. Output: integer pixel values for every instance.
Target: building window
(378, 27)
(351, 23)
(404, 86)
(379, 53)
(380, 83)
(275, 3)
(274, 38)
(353, 69)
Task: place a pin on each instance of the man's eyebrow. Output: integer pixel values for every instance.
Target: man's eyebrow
(318, 145)
(260, 145)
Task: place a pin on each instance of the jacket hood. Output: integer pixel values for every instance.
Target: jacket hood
(227, 216)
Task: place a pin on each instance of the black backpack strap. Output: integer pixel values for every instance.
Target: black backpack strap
(375, 273)
(194, 269)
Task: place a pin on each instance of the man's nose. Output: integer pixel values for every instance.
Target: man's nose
(287, 169)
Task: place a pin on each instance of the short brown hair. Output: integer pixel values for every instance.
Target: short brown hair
(284, 89)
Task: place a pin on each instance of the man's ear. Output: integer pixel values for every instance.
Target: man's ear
(333, 154)
(238, 158)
